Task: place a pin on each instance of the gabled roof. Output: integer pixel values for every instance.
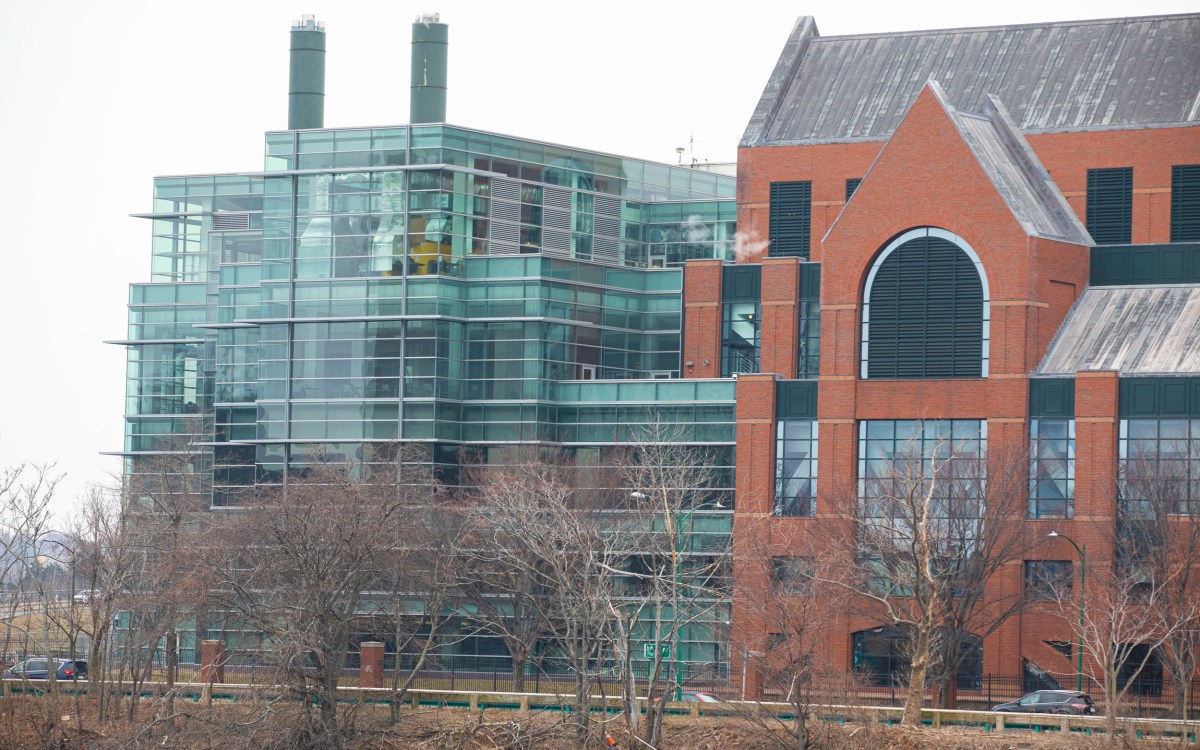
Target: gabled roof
(1015, 171)
(1012, 167)
(1136, 330)
(1115, 73)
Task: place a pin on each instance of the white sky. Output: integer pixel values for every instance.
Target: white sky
(98, 98)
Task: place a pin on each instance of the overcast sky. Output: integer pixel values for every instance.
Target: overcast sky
(99, 98)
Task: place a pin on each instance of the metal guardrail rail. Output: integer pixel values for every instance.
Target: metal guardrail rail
(1132, 728)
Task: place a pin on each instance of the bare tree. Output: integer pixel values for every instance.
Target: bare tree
(974, 551)
(1122, 625)
(29, 548)
(165, 506)
(928, 529)
(505, 600)
(1158, 546)
(787, 603)
(296, 565)
(530, 518)
(104, 566)
(675, 563)
(419, 573)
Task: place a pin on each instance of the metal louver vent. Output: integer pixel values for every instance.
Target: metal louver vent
(607, 226)
(1185, 203)
(504, 227)
(607, 205)
(606, 249)
(505, 189)
(791, 207)
(556, 197)
(556, 241)
(924, 315)
(1110, 205)
(230, 222)
(556, 219)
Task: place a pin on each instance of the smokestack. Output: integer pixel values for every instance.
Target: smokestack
(306, 76)
(427, 96)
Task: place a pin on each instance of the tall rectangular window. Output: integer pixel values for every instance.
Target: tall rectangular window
(808, 340)
(791, 209)
(1110, 205)
(1185, 203)
(1052, 468)
(739, 338)
(795, 468)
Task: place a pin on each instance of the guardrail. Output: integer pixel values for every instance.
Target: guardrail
(1131, 728)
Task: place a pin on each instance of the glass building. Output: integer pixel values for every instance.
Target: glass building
(429, 284)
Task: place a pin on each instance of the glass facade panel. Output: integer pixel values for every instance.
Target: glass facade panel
(1052, 468)
(740, 338)
(944, 460)
(1159, 467)
(795, 468)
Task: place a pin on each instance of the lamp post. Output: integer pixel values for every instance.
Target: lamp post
(1082, 593)
(676, 535)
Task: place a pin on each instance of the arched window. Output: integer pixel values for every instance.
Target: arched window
(925, 309)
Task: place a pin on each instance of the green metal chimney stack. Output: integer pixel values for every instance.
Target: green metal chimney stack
(306, 77)
(427, 96)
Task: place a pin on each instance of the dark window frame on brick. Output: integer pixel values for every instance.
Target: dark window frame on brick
(791, 220)
(796, 468)
(1051, 467)
(1047, 580)
(1185, 203)
(926, 312)
(852, 184)
(790, 575)
(1110, 205)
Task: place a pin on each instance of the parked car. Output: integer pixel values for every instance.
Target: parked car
(1051, 702)
(85, 597)
(37, 669)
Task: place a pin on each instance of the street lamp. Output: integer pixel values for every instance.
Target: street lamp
(676, 535)
(1082, 592)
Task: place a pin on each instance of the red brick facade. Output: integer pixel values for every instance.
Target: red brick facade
(925, 175)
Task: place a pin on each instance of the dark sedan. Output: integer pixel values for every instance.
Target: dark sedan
(1051, 702)
(38, 669)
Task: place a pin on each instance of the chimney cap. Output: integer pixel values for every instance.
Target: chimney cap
(308, 22)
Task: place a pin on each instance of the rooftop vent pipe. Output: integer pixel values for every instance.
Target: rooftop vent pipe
(306, 76)
(430, 45)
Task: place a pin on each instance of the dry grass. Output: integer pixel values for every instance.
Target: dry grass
(31, 723)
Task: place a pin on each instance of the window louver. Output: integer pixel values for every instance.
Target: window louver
(230, 222)
(926, 313)
(1110, 205)
(791, 207)
(1185, 203)
(851, 186)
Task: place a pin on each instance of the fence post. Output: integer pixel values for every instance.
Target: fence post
(453, 669)
(212, 661)
(370, 664)
(989, 690)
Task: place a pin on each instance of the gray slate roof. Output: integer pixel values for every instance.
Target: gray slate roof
(1137, 330)
(1116, 73)
(1015, 171)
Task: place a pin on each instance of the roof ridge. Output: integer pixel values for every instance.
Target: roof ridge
(1003, 26)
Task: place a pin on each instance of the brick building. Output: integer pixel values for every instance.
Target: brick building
(978, 237)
